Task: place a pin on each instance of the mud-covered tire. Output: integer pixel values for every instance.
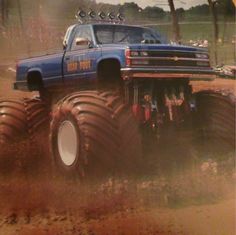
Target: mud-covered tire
(104, 130)
(13, 120)
(22, 118)
(216, 116)
(21, 122)
(38, 117)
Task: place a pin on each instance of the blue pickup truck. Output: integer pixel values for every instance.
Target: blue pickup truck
(110, 87)
(112, 51)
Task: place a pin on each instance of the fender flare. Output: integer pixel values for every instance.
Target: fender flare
(109, 58)
(33, 70)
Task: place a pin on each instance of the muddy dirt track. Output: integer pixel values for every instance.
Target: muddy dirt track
(195, 200)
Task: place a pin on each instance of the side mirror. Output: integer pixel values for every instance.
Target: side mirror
(83, 42)
(64, 45)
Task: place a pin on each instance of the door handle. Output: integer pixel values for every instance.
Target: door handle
(67, 58)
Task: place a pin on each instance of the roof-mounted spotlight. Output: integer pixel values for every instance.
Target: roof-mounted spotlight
(92, 14)
(80, 14)
(121, 17)
(111, 15)
(102, 15)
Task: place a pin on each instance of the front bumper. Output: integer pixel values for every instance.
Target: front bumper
(206, 74)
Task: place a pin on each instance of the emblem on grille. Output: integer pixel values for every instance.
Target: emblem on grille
(175, 58)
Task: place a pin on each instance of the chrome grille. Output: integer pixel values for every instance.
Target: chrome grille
(171, 54)
(169, 58)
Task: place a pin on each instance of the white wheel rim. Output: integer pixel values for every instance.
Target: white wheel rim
(67, 142)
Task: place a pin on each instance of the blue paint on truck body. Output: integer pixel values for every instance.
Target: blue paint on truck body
(80, 63)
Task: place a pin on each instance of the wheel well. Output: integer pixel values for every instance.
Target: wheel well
(34, 80)
(109, 70)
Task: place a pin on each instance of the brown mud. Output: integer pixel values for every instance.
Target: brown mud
(196, 198)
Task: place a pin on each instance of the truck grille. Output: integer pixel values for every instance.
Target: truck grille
(169, 58)
(172, 63)
(171, 54)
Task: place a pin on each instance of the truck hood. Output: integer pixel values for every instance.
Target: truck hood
(166, 47)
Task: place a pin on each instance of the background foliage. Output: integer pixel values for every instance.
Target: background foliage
(33, 27)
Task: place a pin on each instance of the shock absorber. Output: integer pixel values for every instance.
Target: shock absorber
(174, 101)
(147, 107)
(126, 92)
(168, 104)
(136, 107)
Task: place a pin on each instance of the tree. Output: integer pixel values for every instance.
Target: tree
(130, 9)
(4, 5)
(227, 7)
(213, 10)
(199, 10)
(153, 12)
(180, 13)
(175, 22)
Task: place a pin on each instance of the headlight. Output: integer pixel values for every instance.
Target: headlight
(138, 53)
(202, 56)
(144, 53)
(134, 53)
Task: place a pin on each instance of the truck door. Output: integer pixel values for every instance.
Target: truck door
(80, 60)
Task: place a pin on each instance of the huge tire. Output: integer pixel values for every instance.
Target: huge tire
(92, 133)
(21, 120)
(38, 116)
(13, 120)
(216, 116)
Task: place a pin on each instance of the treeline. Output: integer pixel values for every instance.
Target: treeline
(66, 9)
(224, 8)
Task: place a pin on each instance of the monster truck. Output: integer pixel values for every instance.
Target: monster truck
(111, 85)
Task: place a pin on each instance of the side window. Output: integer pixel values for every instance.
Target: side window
(67, 36)
(82, 32)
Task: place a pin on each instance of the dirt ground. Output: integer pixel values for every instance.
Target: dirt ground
(217, 219)
(52, 208)
(193, 202)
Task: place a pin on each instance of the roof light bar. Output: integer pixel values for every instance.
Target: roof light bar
(82, 16)
(92, 14)
(121, 17)
(102, 15)
(111, 16)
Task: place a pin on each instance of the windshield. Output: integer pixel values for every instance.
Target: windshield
(107, 34)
